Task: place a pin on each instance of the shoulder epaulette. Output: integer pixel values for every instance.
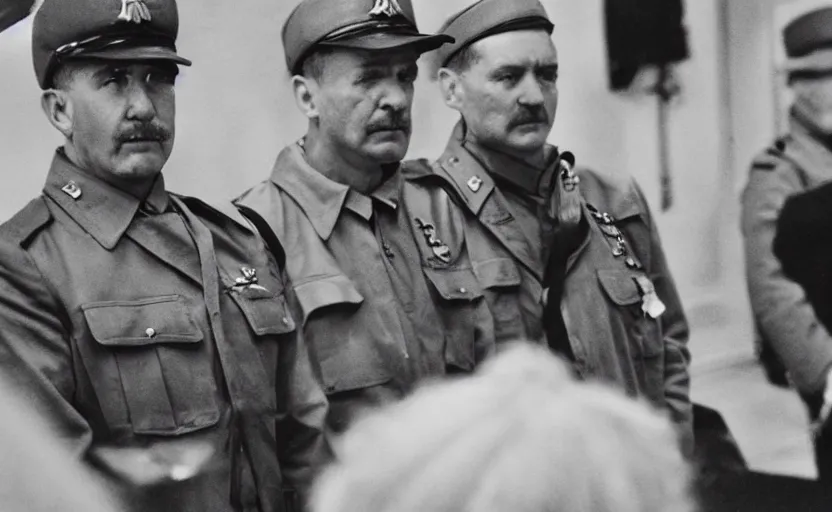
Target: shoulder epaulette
(27, 222)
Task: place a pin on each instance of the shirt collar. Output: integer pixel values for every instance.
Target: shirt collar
(323, 199)
(102, 210)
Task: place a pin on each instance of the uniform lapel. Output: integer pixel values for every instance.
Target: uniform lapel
(166, 237)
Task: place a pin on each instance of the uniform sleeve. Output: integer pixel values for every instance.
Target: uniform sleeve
(301, 441)
(781, 310)
(675, 332)
(35, 353)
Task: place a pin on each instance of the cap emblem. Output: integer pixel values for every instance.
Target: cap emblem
(134, 11)
(389, 8)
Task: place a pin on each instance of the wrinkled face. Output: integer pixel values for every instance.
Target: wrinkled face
(813, 99)
(363, 102)
(508, 95)
(120, 117)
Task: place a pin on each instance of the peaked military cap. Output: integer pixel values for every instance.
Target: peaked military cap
(103, 29)
(362, 24)
(487, 18)
(808, 41)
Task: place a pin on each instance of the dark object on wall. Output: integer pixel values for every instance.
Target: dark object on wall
(641, 33)
(12, 11)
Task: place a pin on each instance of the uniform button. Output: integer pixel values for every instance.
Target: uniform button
(150, 332)
(285, 320)
(463, 290)
(454, 160)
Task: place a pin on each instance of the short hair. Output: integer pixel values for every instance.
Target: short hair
(314, 65)
(462, 60)
(64, 75)
(522, 435)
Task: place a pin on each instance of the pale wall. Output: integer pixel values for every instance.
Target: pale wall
(236, 112)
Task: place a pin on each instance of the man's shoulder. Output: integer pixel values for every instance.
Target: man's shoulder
(774, 157)
(27, 222)
(618, 195)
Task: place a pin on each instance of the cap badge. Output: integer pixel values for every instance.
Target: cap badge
(389, 8)
(135, 11)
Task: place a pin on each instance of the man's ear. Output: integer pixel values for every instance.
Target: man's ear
(453, 92)
(57, 106)
(304, 89)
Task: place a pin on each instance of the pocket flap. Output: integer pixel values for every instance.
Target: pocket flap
(266, 312)
(327, 291)
(498, 273)
(454, 284)
(135, 323)
(620, 286)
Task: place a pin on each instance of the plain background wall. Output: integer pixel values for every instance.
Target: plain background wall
(235, 111)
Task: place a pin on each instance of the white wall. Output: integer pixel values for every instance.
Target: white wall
(235, 113)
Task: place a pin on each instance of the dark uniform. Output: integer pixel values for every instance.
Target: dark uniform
(620, 314)
(387, 292)
(155, 332)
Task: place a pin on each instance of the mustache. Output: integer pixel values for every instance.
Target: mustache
(530, 115)
(150, 131)
(395, 121)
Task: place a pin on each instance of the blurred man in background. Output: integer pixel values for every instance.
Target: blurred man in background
(519, 436)
(580, 258)
(151, 330)
(800, 161)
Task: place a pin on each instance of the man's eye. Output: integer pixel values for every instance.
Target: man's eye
(116, 77)
(161, 77)
(548, 75)
(508, 78)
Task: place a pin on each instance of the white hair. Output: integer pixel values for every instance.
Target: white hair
(520, 436)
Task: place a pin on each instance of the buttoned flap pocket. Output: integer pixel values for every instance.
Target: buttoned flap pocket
(155, 350)
(266, 312)
(622, 289)
(620, 286)
(498, 273)
(329, 291)
(454, 284)
(141, 322)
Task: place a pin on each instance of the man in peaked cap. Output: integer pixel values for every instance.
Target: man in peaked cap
(152, 330)
(580, 253)
(387, 295)
(788, 325)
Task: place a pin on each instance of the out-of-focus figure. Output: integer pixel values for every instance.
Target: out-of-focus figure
(520, 436)
(801, 160)
(38, 473)
(578, 254)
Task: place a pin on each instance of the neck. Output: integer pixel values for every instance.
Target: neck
(361, 176)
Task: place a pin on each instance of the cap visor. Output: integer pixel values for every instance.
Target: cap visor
(140, 53)
(391, 41)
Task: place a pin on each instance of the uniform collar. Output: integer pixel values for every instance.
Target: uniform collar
(323, 199)
(102, 210)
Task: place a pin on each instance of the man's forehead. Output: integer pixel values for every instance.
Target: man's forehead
(530, 46)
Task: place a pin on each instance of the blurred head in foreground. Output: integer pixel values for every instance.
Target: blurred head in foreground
(520, 436)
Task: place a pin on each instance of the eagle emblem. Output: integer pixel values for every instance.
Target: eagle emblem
(134, 11)
(389, 8)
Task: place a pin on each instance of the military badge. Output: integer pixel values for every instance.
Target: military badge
(72, 190)
(135, 11)
(441, 251)
(388, 8)
(249, 279)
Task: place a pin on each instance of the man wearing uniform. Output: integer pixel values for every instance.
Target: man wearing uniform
(799, 162)
(387, 299)
(151, 329)
(550, 235)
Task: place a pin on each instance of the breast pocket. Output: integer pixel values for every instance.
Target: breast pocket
(501, 279)
(350, 355)
(150, 369)
(643, 332)
(460, 297)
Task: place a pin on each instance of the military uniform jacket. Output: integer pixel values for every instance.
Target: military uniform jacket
(784, 316)
(107, 326)
(611, 337)
(387, 293)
